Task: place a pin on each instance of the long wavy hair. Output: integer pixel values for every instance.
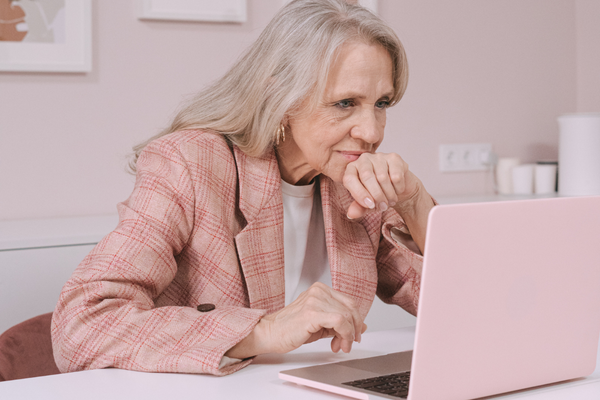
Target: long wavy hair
(288, 64)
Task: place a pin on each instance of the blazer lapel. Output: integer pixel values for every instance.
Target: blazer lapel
(351, 245)
(260, 242)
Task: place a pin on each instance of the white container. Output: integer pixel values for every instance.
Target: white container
(522, 179)
(579, 155)
(545, 179)
(504, 174)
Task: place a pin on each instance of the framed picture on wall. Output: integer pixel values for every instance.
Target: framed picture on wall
(193, 10)
(45, 35)
(370, 4)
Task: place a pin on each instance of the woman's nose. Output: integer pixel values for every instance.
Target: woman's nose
(367, 127)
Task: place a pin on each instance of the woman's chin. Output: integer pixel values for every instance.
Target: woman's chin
(336, 176)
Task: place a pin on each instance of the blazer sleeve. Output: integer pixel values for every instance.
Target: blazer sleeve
(399, 264)
(106, 315)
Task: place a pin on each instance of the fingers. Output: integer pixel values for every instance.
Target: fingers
(329, 314)
(341, 308)
(356, 317)
(342, 328)
(356, 210)
(377, 182)
(358, 179)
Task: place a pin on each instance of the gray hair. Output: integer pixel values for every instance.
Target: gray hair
(288, 64)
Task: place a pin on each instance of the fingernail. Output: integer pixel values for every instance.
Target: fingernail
(392, 204)
(383, 206)
(349, 217)
(369, 203)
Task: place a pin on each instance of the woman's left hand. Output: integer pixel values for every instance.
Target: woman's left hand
(379, 181)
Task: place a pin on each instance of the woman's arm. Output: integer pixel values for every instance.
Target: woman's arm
(107, 314)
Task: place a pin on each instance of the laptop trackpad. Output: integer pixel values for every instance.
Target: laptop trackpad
(382, 365)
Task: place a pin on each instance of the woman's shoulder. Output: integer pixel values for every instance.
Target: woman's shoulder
(198, 152)
(192, 143)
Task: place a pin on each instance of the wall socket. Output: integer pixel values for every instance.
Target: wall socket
(465, 157)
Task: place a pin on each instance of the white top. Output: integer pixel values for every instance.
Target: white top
(305, 249)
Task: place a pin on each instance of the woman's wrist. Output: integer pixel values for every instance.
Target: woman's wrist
(253, 344)
(415, 212)
(409, 206)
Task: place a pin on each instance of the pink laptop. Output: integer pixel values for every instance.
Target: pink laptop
(510, 299)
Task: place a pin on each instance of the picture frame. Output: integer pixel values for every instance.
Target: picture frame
(370, 4)
(193, 10)
(62, 43)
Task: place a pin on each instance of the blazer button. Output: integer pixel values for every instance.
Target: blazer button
(206, 307)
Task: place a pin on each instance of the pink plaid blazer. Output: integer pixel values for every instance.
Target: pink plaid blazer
(204, 224)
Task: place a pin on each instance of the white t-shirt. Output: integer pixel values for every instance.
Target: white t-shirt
(304, 248)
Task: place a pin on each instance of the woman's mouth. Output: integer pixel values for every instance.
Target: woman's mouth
(351, 155)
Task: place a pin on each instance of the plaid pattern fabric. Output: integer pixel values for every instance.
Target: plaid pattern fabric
(204, 224)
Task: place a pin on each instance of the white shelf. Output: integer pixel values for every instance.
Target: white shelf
(52, 232)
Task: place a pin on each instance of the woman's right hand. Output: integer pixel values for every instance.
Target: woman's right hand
(319, 312)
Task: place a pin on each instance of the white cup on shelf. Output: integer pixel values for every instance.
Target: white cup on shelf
(504, 174)
(545, 178)
(522, 178)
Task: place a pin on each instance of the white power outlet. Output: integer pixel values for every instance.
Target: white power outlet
(465, 157)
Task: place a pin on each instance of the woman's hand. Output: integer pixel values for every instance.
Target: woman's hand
(379, 181)
(320, 312)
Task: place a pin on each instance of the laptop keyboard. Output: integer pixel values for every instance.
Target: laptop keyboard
(395, 385)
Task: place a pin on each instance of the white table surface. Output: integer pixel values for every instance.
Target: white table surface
(257, 381)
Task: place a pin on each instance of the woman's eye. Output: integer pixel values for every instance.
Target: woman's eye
(382, 104)
(344, 104)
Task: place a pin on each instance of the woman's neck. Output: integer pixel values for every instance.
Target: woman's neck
(292, 166)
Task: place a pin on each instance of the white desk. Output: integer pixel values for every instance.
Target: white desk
(257, 381)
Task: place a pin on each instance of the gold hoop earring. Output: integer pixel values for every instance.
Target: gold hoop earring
(280, 134)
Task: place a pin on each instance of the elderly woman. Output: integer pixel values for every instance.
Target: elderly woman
(263, 218)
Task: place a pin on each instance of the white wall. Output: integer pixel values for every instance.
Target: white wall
(481, 71)
(588, 55)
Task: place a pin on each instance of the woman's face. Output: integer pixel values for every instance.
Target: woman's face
(348, 120)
